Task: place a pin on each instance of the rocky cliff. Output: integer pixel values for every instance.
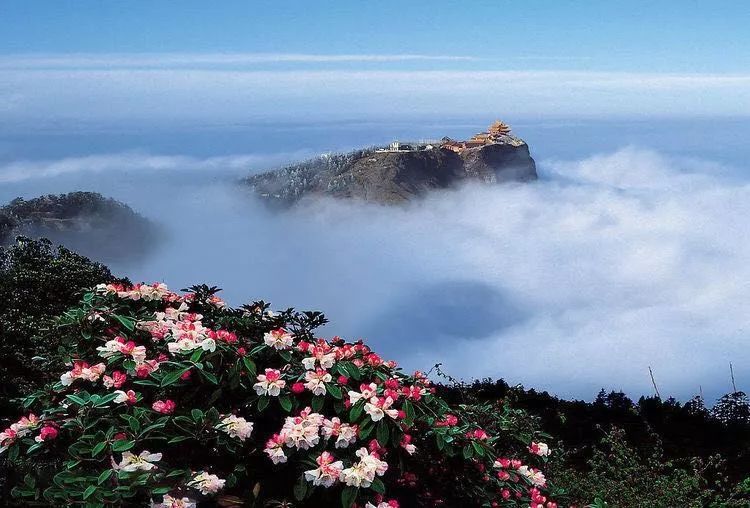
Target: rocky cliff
(395, 176)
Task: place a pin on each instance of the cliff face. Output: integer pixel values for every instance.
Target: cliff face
(392, 177)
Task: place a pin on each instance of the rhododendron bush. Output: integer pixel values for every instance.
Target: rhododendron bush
(177, 400)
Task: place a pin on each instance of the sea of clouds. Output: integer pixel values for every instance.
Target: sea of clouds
(582, 280)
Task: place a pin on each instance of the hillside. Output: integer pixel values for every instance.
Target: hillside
(85, 221)
(401, 172)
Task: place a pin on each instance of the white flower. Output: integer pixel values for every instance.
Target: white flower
(275, 449)
(278, 339)
(344, 433)
(535, 477)
(377, 408)
(269, 383)
(321, 356)
(367, 392)
(540, 449)
(122, 397)
(207, 483)
(316, 381)
(172, 502)
(327, 472)
(362, 473)
(236, 426)
(141, 462)
(208, 345)
(301, 431)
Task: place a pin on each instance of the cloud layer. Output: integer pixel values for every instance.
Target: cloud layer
(68, 90)
(582, 280)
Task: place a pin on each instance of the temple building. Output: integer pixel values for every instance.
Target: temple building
(492, 135)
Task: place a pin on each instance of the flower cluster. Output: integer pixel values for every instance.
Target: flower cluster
(172, 398)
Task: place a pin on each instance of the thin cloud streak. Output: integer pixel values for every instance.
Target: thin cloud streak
(168, 60)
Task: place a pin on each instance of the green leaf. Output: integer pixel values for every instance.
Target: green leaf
(178, 439)
(134, 424)
(366, 429)
(250, 366)
(210, 377)
(334, 390)
(197, 415)
(104, 476)
(440, 441)
(317, 403)
(286, 403)
(161, 490)
(378, 486)
(76, 399)
(382, 433)
(356, 411)
(286, 356)
(173, 376)
(348, 496)
(122, 445)
(97, 449)
(29, 480)
(478, 448)
(127, 322)
(106, 399)
(89, 490)
(262, 403)
(34, 448)
(300, 488)
(196, 355)
(468, 452)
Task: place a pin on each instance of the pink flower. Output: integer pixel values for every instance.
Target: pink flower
(477, 434)
(166, 407)
(241, 351)
(116, 380)
(298, 388)
(269, 383)
(147, 367)
(47, 433)
(406, 444)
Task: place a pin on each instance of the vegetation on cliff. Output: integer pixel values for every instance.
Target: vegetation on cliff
(84, 221)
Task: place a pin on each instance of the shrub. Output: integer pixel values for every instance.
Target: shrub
(619, 475)
(175, 399)
(37, 283)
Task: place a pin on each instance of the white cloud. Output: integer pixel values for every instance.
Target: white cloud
(112, 95)
(582, 280)
(20, 171)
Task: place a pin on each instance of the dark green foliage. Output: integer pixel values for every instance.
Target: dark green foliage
(618, 475)
(37, 282)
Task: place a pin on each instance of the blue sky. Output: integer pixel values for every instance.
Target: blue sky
(113, 62)
(665, 36)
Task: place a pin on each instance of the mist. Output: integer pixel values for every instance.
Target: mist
(607, 265)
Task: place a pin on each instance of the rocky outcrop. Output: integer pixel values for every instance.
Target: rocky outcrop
(392, 177)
